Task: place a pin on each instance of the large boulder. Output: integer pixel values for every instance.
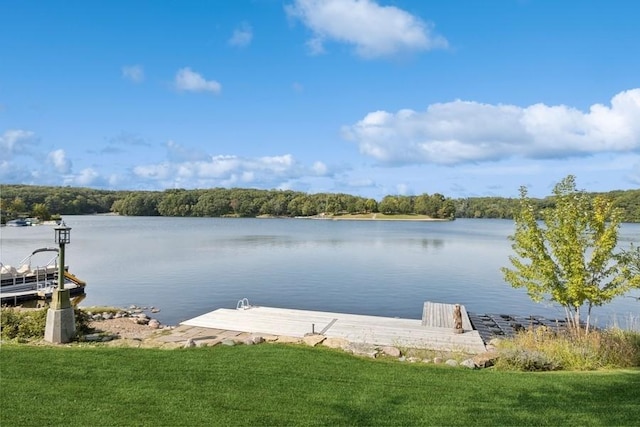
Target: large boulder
(92, 337)
(365, 350)
(257, 339)
(391, 351)
(283, 339)
(313, 340)
(336, 343)
(142, 320)
(468, 363)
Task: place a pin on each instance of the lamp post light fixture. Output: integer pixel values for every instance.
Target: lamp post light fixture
(61, 323)
(62, 238)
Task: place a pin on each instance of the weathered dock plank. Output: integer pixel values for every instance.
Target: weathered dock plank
(440, 315)
(353, 327)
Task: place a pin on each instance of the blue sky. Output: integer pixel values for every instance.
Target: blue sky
(461, 97)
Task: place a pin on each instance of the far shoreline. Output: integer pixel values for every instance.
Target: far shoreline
(376, 217)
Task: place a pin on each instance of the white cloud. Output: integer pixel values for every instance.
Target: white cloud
(114, 180)
(21, 161)
(86, 177)
(160, 171)
(11, 172)
(274, 163)
(216, 167)
(134, 73)
(225, 170)
(16, 141)
(190, 81)
(248, 176)
(59, 160)
(464, 131)
(319, 168)
(374, 30)
(242, 35)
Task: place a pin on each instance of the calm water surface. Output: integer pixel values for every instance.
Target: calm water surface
(189, 266)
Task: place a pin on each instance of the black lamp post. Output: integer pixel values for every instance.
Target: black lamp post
(61, 324)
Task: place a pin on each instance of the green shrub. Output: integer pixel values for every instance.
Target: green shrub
(526, 360)
(621, 348)
(29, 324)
(543, 349)
(82, 322)
(99, 309)
(22, 324)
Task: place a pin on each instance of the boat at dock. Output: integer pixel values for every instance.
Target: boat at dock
(19, 223)
(31, 282)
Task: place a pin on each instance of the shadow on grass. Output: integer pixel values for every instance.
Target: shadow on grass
(587, 398)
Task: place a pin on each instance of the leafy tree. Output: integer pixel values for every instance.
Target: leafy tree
(421, 204)
(570, 258)
(177, 203)
(40, 211)
(404, 205)
(371, 205)
(630, 259)
(212, 203)
(252, 202)
(18, 206)
(388, 205)
(448, 210)
(309, 208)
(139, 204)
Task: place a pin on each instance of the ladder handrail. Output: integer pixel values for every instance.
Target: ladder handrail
(243, 304)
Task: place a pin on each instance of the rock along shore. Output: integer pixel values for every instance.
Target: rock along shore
(134, 328)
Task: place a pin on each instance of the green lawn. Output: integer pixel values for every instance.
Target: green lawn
(291, 385)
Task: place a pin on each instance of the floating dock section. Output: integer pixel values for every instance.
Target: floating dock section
(375, 330)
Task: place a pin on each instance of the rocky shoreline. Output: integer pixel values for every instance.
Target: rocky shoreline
(131, 323)
(134, 328)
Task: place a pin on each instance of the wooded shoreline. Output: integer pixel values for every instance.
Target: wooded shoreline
(18, 201)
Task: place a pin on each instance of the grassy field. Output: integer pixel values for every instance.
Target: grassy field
(291, 385)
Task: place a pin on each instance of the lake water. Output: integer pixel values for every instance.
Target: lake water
(190, 266)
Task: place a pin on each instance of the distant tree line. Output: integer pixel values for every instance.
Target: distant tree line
(44, 202)
(241, 202)
(18, 201)
(501, 207)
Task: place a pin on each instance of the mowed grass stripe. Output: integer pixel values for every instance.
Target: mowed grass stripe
(293, 385)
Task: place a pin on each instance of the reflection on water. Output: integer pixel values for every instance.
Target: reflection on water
(189, 266)
(432, 243)
(75, 302)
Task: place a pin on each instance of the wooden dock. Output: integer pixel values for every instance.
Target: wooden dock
(355, 328)
(440, 315)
